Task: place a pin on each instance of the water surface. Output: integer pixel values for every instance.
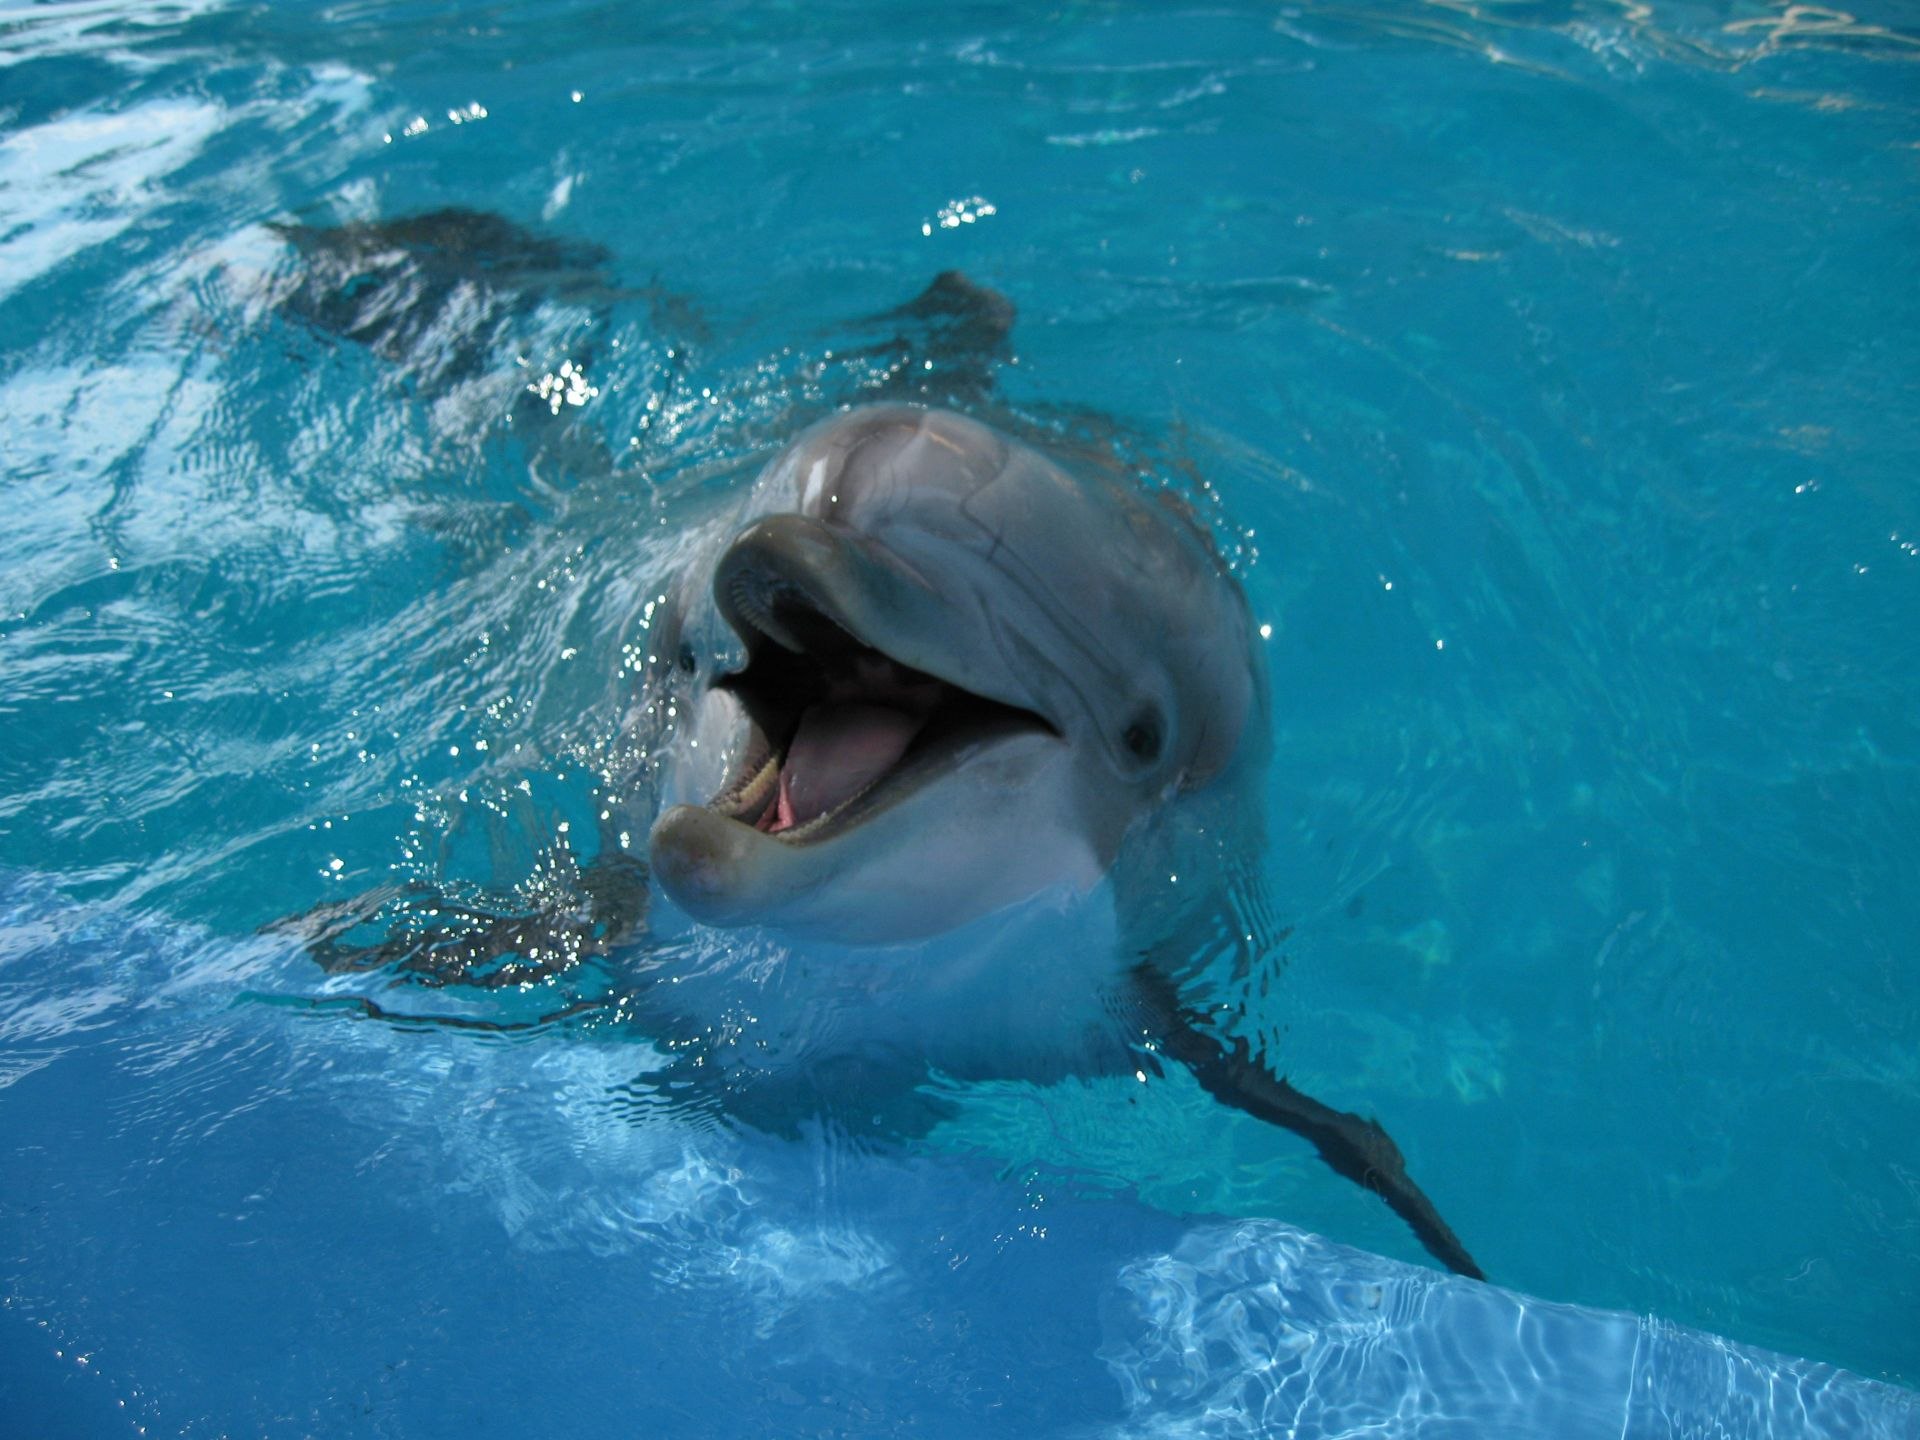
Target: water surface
(1547, 371)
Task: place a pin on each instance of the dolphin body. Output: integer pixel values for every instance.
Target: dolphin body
(933, 680)
(978, 726)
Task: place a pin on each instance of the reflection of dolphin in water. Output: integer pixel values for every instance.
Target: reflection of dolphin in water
(925, 675)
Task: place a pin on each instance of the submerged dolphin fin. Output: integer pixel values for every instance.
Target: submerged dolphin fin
(943, 347)
(475, 945)
(1351, 1145)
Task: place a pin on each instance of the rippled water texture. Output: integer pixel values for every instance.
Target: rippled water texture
(1546, 371)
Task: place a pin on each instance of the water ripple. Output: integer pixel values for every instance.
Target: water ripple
(1262, 1329)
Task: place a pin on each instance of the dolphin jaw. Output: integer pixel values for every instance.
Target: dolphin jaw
(789, 696)
(836, 728)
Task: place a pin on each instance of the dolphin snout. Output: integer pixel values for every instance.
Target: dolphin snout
(703, 861)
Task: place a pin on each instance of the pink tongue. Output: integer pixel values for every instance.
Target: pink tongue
(838, 751)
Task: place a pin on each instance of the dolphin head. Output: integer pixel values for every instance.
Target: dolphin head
(968, 675)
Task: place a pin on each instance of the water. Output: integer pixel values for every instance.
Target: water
(1553, 371)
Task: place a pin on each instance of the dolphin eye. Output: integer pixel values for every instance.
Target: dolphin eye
(686, 659)
(1144, 737)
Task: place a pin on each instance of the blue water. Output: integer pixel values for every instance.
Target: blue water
(1551, 374)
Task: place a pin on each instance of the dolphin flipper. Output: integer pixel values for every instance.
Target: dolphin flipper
(473, 945)
(1353, 1146)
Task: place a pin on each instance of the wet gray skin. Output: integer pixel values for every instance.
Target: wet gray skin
(970, 676)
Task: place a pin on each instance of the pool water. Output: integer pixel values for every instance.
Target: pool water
(1549, 374)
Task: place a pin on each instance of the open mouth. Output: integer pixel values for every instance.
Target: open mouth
(838, 728)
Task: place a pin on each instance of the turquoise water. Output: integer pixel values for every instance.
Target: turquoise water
(1551, 372)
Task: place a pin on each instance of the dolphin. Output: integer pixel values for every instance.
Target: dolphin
(972, 722)
(931, 676)
(970, 675)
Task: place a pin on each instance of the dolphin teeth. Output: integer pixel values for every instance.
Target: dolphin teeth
(751, 608)
(746, 800)
(751, 800)
(783, 612)
(807, 829)
(752, 599)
